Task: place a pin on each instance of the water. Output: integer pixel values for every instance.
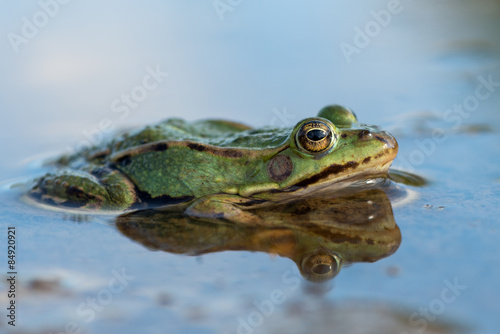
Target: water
(263, 64)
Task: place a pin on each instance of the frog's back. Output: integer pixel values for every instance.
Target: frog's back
(165, 160)
(219, 133)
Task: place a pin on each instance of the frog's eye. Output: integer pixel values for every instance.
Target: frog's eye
(320, 265)
(338, 115)
(315, 136)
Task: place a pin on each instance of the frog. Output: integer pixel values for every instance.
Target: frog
(218, 169)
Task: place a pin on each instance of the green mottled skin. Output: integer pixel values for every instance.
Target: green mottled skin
(213, 167)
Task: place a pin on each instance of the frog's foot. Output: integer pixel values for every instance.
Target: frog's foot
(222, 206)
(407, 178)
(97, 188)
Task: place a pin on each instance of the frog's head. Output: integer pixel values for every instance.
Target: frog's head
(330, 149)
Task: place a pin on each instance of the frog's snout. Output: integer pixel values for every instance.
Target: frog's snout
(388, 140)
(370, 133)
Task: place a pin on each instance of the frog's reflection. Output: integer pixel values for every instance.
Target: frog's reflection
(319, 235)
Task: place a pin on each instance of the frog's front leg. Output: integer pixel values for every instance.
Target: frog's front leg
(93, 188)
(222, 206)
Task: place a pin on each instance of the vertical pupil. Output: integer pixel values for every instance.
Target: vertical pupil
(316, 134)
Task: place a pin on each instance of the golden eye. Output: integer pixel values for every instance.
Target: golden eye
(315, 136)
(320, 265)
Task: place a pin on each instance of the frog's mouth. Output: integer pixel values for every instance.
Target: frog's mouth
(353, 174)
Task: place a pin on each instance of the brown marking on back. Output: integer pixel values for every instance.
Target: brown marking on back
(124, 156)
(159, 147)
(214, 150)
(366, 160)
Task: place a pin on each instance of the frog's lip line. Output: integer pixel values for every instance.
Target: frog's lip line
(345, 180)
(374, 165)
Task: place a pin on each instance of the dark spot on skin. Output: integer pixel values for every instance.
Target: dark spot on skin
(369, 241)
(197, 147)
(383, 140)
(367, 159)
(280, 168)
(344, 135)
(160, 147)
(124, 161)
(333, 169)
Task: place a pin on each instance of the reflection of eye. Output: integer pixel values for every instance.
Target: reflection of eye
(315, 136)
(321, 266)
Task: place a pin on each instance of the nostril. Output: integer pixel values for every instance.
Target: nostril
(365, 134)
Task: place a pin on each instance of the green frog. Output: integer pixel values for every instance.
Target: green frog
(218, 169)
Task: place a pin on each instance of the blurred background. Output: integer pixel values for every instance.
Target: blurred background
(248, 61)
(73, 72)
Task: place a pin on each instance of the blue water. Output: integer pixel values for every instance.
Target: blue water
(66, 85)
